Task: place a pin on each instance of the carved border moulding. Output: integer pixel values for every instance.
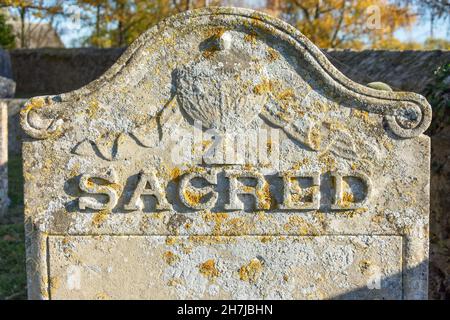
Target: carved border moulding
(407, 114)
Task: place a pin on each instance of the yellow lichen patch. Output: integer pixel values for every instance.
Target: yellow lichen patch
(100, 217)
(261, 215)
(157, 215)
(269, 146)
(266, 239)
(102, 296)
(54, 283)
(236, 227)
(352, 213)
(388, 144)
(315, 138)
(115, 186)
(193, 198)
(208, 269)
(377, 218)
(304, 195)
(215, 33)
(364, 115)
(34, 103)
(206, 144)
(300, 226)
(218, 218)
(348, 197)
(205, 240)
(364, 266)
(328, 162)
(300, 164)
(209, 53)
(251, 37)
(272, 55)
(251, 271)
(75, 170)
(170, 241)
(170, 258)
(287, 94)
(93, 108)
(265, 197)
(264, 87)
(175, 173)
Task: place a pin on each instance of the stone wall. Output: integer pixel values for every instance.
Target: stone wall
(53, 71)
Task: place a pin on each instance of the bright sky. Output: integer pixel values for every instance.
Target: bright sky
(71, 31)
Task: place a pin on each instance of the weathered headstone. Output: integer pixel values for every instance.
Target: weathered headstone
(223, 156)
(7, 86)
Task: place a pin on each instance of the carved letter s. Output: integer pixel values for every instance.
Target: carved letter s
(108, 188)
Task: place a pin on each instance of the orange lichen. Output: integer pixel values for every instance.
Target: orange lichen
(272, 55)
(218, 218)
(266, 239)
(93, 108)
(171, 240)
(100, 217)
(300, 164)
(262, 88)
(175, 173)
(348, 197)
(286, 94)
(208, 269)
(300, 226)
(315, 138)
(193, 198)
(54, 283)
(265, 197)
(251, 37)
(236, 227)
(251, 271)
(328, 162)
(170, 258)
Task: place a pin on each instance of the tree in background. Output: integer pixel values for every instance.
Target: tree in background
(434, 9)
(345, 23)
(117, 23)
(25, 10)
(6, 34)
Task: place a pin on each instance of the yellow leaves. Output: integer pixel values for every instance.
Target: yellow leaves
(350, 24)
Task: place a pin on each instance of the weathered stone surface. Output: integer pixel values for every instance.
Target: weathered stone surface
(223, 156)
(4, 201)
(7, 88)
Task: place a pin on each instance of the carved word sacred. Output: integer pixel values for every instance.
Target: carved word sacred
(299, 190)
